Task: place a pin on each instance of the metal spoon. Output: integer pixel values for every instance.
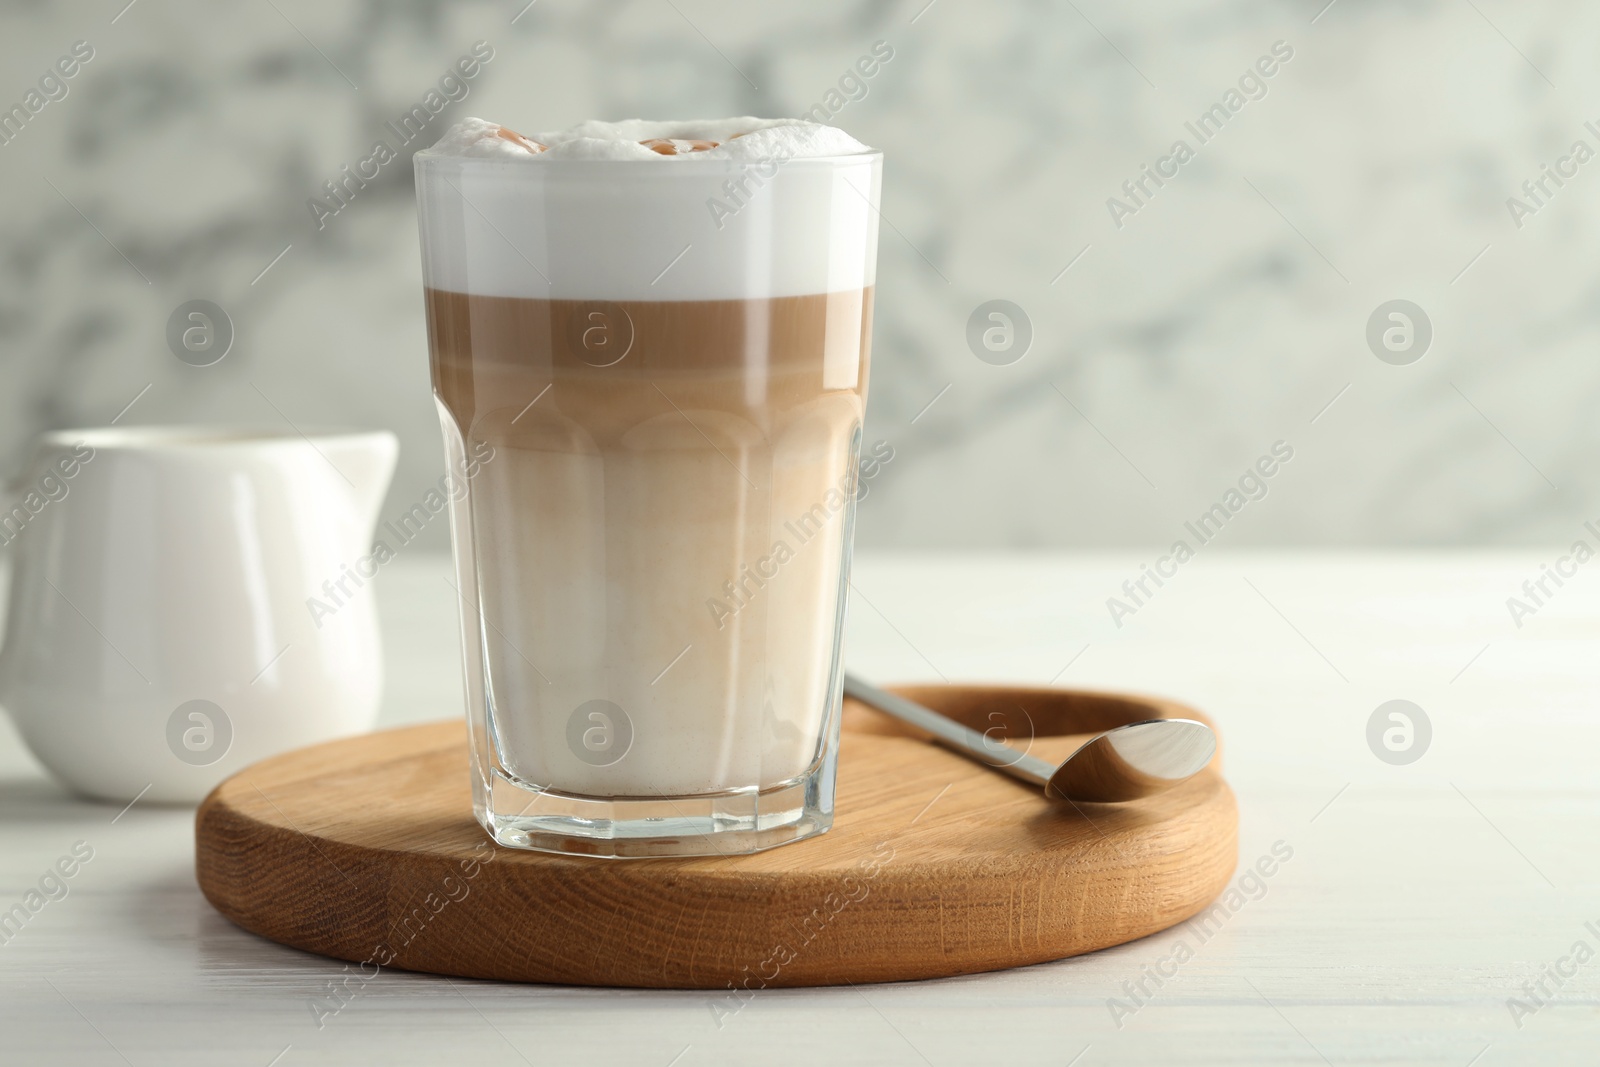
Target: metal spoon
(1124, 763)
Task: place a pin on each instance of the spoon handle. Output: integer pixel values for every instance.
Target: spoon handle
(988, 751)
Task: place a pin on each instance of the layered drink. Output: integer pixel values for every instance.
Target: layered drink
(649, 346)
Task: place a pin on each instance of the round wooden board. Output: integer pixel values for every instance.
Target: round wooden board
(366, 850)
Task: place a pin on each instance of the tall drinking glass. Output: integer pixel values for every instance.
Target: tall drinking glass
(651, 378)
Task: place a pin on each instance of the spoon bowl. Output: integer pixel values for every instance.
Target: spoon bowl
(1133, 761)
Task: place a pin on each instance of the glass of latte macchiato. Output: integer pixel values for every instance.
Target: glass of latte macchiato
(649, 345)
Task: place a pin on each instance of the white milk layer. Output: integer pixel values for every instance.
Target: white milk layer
(785, 210)
(647, 577)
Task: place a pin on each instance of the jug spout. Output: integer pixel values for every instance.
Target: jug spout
(366, 460)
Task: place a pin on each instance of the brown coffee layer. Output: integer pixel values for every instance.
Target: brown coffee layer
(608, 365)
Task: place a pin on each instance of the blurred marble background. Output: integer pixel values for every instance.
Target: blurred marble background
(1227, 313)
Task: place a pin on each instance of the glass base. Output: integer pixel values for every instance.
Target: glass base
(734, 823)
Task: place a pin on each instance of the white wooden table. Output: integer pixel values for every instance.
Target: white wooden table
(1418, 899)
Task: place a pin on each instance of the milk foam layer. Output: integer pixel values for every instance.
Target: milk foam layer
(744, 138)
(783, 210)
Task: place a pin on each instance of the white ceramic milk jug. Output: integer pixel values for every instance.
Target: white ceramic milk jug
(158, 636)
